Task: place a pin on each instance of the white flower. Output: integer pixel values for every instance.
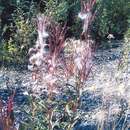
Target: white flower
(22, 47)
(40, 17)
(25, 84)
(42, 34)
(121, 89)
(110, 36)
(39, 55)
(82, 15)
(25, 93)
(45, 34)
(32, 59)
(31, 51)
(30, 67)
(77, 62)
(38, 62)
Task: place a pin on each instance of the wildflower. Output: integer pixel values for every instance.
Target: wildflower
(126, 39)
(32, 59)
(39, 54)
(35, 60)
(32, 51)
(22, 47)
(38, 62)
(25, 93)
(121, 89)
(110, 36)
(45, 34)
(77, 62)
(30, 67)
(82, 16)
(42, 34)
(86, 14)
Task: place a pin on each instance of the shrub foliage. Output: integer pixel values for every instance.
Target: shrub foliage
(19, 32)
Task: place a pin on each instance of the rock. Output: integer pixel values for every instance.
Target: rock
(84, 126)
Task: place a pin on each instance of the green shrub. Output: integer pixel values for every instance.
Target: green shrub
(112, 18)
(65, 11)
(58, 10)
(22, 37)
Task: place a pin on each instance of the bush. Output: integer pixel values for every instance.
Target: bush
(112, 18)
(58, 10)
(65, 11)
(22, 35)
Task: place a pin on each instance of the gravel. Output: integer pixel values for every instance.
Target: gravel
(105, 68)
